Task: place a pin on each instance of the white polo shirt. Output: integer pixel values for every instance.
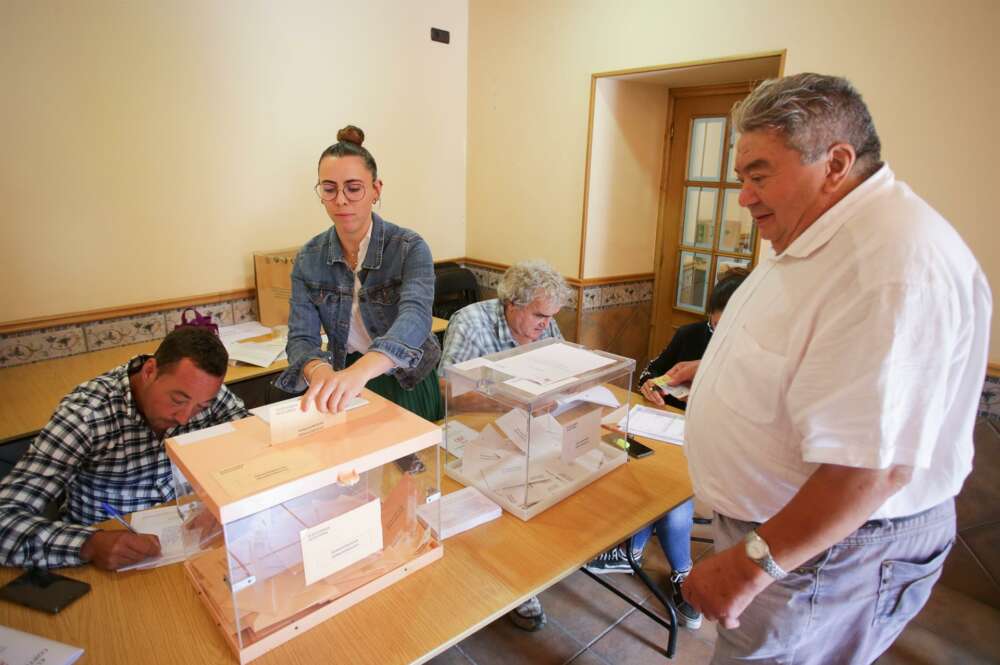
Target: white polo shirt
(863, 344)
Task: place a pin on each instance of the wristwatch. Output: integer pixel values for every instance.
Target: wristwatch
(758, 551)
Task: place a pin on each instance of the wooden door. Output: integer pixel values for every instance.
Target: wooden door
(702, 231)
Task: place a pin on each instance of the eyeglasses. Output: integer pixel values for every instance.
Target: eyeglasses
(354, 190)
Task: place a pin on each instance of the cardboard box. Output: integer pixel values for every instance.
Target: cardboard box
(273, 275)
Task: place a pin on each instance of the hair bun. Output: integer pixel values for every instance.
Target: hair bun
(351, 134)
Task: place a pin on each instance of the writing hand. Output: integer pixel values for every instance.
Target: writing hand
(112, 550)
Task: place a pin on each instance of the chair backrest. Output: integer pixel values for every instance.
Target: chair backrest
(453, 290)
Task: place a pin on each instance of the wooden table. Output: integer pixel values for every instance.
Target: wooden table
(154, 616)
(30, 393)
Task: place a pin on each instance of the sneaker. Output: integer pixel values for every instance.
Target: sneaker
(687, 616)
(528, 615)
(613, 561)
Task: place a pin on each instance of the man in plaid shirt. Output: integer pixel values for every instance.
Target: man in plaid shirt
(529, 296)
(104, 444)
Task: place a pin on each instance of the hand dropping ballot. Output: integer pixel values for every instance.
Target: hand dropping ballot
(289, 422)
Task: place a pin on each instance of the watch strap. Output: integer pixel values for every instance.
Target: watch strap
(767, 562)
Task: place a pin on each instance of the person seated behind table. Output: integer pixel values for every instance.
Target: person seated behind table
(529, 296)
(104, 444)
(673, 529)
(369, 284)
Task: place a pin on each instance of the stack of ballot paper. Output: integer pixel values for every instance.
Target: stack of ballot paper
(562, 453)
(656, 424)
(460, 511)
(539, 370)
(252, 343)
(17, 648)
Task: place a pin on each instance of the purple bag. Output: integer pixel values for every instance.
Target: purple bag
(199, 320)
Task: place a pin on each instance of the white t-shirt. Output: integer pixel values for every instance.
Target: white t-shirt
(863, 344)
(358, 338)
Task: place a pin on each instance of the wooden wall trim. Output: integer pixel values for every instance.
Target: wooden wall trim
(616, 279)
(993, 368)
(123, 310)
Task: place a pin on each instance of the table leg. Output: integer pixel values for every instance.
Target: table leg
(670, 625)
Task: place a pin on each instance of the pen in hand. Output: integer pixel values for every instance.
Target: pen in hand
(116, 516)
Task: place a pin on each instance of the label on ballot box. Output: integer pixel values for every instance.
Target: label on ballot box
(341, 541)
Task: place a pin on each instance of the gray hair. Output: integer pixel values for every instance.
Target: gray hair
(812, 112)
(527, 280)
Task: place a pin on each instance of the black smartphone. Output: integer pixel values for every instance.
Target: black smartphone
(43, 590)
(636, 449)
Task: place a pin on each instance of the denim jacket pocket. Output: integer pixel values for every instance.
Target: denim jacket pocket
(385, 294)
(904, 586)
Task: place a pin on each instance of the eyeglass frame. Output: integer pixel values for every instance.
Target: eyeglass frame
(319, 192)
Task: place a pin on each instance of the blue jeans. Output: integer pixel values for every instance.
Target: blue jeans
(674, 531)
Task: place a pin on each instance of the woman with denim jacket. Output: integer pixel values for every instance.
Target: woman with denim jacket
(367, 283)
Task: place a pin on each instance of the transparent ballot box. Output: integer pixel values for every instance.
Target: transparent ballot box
(530, 426)
(311, 525)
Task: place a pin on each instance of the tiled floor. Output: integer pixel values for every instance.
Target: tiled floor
(588, 625)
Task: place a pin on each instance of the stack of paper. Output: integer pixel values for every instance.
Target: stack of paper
(17, 648)
(252, 343)
(655, 424)
(549, 367)
(562, 453)
(460, 511)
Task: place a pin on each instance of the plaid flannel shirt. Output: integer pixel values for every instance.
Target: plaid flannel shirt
(96, 448)
(480, 329)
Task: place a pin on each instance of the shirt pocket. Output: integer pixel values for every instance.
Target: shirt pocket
(752, 377)
(904, 586)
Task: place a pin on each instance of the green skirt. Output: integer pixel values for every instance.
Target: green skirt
(424, 400)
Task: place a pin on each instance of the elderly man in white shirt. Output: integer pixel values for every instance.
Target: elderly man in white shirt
(830, 421)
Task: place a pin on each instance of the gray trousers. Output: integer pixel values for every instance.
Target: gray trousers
(847, 605)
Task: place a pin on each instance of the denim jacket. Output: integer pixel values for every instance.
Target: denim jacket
(397, 291)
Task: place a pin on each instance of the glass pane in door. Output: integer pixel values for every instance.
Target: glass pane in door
(692, 280)
(738, 231)
(705, 149)
(699, 216)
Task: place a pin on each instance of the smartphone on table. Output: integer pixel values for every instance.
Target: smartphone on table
(43, 590)
(634, 449)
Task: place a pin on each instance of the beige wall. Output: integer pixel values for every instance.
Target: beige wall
(150, 147)
(626, 160)
(927, 70)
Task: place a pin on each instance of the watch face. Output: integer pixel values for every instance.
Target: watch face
(757, 549)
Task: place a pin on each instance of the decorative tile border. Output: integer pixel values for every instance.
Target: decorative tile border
(245, 309)
(32, 346)
(989, 401)
(128, 330)
(595, 296)
(488, 278)
(45, 344)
